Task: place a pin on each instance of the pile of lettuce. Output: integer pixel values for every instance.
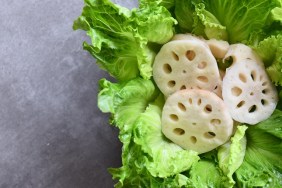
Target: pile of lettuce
(124, 42)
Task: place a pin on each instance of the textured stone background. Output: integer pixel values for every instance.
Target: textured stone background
(52, 134)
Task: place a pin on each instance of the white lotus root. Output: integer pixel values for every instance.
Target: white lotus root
(248, 92)
(185, 64)
(196, 120)
(241, 52)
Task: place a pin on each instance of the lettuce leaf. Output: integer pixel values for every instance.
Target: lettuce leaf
(120, 36)
(233, 20)
(270, 50)
(205, 173)
(126, 101)
(262, 166)
(231, 155)
(206, 24)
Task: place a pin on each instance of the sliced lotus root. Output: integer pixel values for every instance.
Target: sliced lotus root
(185, 64)
(219, 48)
(248, 92)
(241, 52)
(196, 120)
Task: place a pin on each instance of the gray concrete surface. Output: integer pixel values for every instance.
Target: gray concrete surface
(52, 135)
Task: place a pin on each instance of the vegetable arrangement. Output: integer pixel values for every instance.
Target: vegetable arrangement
(125, 44)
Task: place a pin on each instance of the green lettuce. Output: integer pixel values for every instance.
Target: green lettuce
(270, 50)
(126, 101)
(232, 20)
(119, 36)
(205, 173)
(231, 155)
(206, 24)
(262, 165)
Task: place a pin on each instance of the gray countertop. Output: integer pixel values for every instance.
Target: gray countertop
(52, 135)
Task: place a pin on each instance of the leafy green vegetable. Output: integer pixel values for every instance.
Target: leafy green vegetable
(205, 173)
(270, 50)
(120, 36)
(241, 19)
(231, 155)
(206, 24)
(126, 101)
(149, 25)
(184, 13)
(262, 165)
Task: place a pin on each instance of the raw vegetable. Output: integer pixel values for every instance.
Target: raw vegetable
(120, 36)
(197, 120)
(232, 20)
(181, 60)
(125, 42)
(248, 93)
(231, 155)
(262, 166)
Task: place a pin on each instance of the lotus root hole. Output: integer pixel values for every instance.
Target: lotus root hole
(236, 91)
(167, 68)
(175, 56)
(171, 83)
(252, 93)
(194, 123)
(202, 65)
(190, 100)
(181, 106)
(203, 79)
(173, 117)
(242, 77)
(190, 54)
(254, 75)
(240, 104)
(265, 91)
(229, 60)
(183, 87)
(215, 122)
(178, 131)
(264, 84)
(208, 108)
(184, 71)
(209, 135)
(263, 102)
(193, 139)
(252, 109)
(199, 102)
